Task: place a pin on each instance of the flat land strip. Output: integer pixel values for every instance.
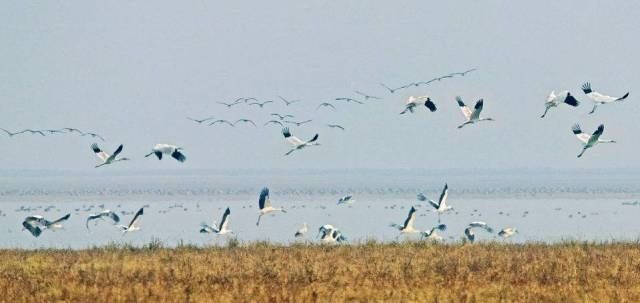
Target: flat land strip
(370, 272)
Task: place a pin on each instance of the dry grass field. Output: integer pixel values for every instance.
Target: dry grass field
(369, 272)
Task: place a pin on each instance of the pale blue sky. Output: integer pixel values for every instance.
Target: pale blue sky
(133, 70)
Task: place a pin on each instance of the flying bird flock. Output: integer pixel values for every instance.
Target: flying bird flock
(413, 106)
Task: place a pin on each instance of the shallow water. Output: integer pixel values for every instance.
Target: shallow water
(541, 208)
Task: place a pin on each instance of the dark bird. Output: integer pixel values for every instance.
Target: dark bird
(297, 123)
(325, 104)
(287, 102)
(244, 121)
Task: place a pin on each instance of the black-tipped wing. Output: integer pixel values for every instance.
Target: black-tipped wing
(596, 135)
(286, 132)
(136, 217)
(33, 229)
(586, 88)
(570, 100)
(61, 219)
(225, 219)
(178, 155)
(264, 198)
(576, 129)
(444, 194)
(313, 139)
(410, 218)
(117, 151)
(477, 109)
(430, 105)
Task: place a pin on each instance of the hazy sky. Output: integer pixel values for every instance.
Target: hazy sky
(133, 70)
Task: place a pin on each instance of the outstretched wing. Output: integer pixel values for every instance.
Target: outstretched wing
(136, 218)
(100, 153)
(444, 195)
(410, 218)
(315, 138)
(178, 155)
(596, 135)
(290, 138)
(430, 105)
(263, 201)
(477, 109)
(225, 219)
(465, 109)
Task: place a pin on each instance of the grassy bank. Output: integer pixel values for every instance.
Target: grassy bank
(367, 272)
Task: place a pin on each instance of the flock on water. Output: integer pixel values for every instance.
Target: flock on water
(36, 224)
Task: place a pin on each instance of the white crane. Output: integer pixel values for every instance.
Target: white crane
(297, 143)
(106, 158)
(432, 233)
(302, 231)
(103, 214)
(507, 232)
(413, 102)
(598, 98)
(407, 227)
(348, 199)
(440, 206)
(222, 228)
(587, 140)
(330, 234)
(37, 224)
(476, 224)
(264, 204)
(471, 116)
(168, 149)
(553, 100)
(133, 225)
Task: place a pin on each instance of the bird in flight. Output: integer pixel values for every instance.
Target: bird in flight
(200, 120)
(281, 116)
(105, 157)
(297, 123)
(287, 102)
(261, 104)
(230, 104)
(133, 225)
(297, 143)
(407, 227)
(348, 199)
(167, 149)
(325, 104)
(440, 206)
(220, 121)
(301, 231)
(587, 140)
(432, 233)
(391, 90)
(103, 214)
(413, 102)
(37, 224)
(244, 121)
(562, 97)
(264, 205)
(335, 126)
(507, 232)
(222, 228)
(349, 100)
(471, 116)
(598, 98)
(367, 96)
(274, 122)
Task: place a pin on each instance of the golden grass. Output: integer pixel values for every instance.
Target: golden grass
(371, 272)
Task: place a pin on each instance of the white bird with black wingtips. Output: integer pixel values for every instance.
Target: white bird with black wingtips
(413, 102)
(222, 228)
(36, 224)
(264, 205)
(441, 206)
(407, 227)
(432, 234)
(106, 158)
(133, 225)
(597, 98)
(167, 149)
(587, 140)
(103, 214)
(297, 143)
(471, 116)
(553, 100)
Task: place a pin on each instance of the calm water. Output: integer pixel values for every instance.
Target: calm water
(542, 206)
